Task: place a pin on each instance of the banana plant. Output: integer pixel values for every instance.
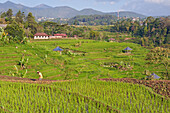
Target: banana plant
(23, 62)
(15, 67)
(45, 58)
(14, 73)
(23, 74)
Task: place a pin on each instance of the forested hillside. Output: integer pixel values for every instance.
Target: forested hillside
(93, 20)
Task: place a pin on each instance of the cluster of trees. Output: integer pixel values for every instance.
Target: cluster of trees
(52, 28)
(93, 20)
(19, 26)
(152, 31)
(7, 15)
(85, 32)
(96, 35)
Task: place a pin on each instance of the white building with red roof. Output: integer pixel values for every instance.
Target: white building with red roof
(45, 36)
(41, 36)
(60, 35)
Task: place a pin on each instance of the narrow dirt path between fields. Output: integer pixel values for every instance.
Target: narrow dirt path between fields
(28, 80)
(161, 87)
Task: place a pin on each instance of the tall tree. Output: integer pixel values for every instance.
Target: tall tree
(31, 23)
(3, 15)
(9, 14)
(19, 18)
(15, 30)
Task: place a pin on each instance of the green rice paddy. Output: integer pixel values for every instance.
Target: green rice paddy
(94, 59)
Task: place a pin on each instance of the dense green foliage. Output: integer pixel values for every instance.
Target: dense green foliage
(151, 32)
(19, 17)
(31, 24)
(93, 20)
(52, 28)
(80, 96)
(15, 30)
(9, 16)
(20, 25)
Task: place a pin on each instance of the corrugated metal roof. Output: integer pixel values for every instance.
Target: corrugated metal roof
(57, 49)
(155, 76)
(128, 48)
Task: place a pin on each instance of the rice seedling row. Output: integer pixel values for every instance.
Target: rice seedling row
(18, 97)
(126, 97)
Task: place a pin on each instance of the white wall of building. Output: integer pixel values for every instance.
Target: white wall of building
(40, 37)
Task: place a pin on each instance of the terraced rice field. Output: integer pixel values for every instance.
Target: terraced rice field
(97, 61)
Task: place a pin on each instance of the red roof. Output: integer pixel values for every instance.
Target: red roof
(60, 35)
(128, 38)
(111, 39)
(40, 34)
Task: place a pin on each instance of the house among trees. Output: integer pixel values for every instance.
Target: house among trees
(45, 36)
(60, 35)
(111, 39)
(75, 36)
(41, 36)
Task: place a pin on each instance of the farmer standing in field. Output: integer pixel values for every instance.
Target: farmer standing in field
(40, 75)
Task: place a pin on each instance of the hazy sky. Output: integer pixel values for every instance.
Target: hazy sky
(147, 7)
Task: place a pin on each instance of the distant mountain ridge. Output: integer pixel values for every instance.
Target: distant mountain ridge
(43, 10)
(43, 6)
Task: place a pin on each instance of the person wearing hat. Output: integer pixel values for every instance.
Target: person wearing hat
(40, 75)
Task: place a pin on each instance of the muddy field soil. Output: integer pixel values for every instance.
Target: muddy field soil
(28, 80)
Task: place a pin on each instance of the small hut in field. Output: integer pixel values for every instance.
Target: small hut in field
(128, 50)
(111, 39)
(58, 49)
(153, 76)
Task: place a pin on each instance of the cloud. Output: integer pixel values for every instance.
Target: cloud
(164, 2)
(112, 3)
(148, 7)
(155, 1)
(160, 2)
